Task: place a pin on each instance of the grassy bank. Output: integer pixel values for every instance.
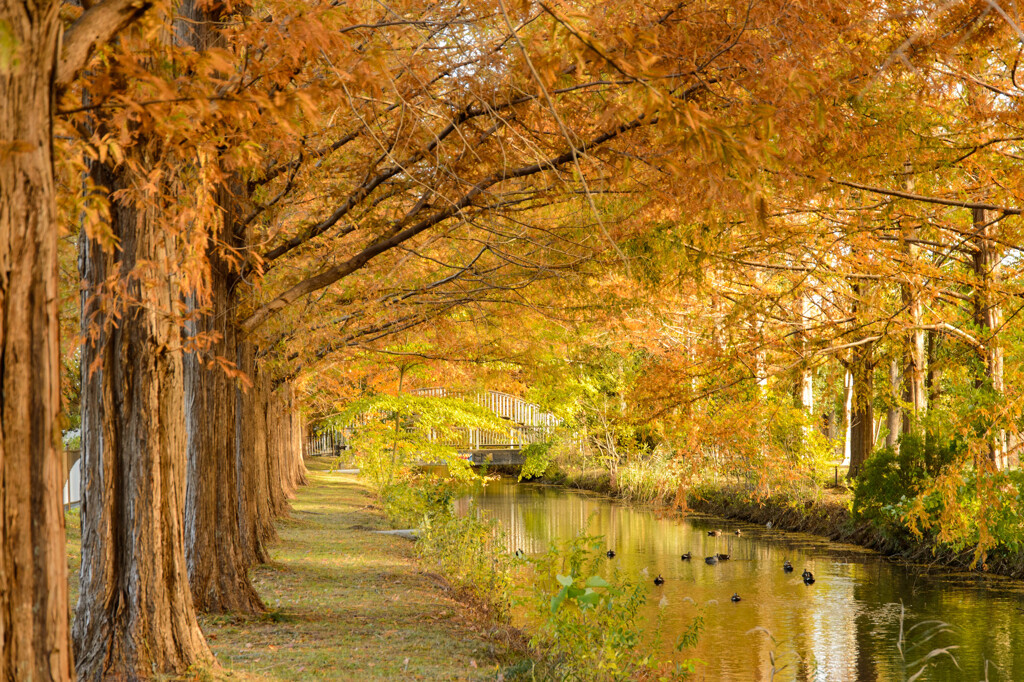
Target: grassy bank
(346, 603)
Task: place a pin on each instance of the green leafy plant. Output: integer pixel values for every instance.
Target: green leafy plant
(391, 433)
(536, 460)
(587, 621)
(891, 478)
(469, 550)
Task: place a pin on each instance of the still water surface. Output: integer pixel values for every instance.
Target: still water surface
(845, 627)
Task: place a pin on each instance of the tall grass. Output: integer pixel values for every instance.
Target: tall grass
(648, 478)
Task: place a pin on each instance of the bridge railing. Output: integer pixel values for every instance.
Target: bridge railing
(330, 442)
(527, 424)
(504, 405)
(515, 437)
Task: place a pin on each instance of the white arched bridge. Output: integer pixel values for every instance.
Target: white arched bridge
(527, 423)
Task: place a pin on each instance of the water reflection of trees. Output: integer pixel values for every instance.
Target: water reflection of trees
(844, 627)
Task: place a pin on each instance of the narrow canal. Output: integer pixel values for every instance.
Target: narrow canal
(842, 628)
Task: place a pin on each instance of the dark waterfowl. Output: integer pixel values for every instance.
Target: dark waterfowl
(659, 580)
(610, 553)
(685, 557)
(711, 560)
(722, 557)
(714, 533)
(787, 567)
(738, 532)
(808, 577)
(735, 596)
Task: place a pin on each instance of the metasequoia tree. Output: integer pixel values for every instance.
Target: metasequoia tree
(215, 517)
(136, 614)
(36, 64)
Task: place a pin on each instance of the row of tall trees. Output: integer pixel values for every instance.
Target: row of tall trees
(839, 255)
(863, 284)
(262, 190)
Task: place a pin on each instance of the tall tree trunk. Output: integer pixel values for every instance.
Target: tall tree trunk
(933, 376)
(298, 463)
(988, 316)
(217, 566)
(862, 373)
(914, 394)
(862, 416)
(135, 615)
(276, 453)
(251, 449)
(33, 564)
(803, 389)
(267, 508)
(847, 413)
(217, 561)
(894, 414)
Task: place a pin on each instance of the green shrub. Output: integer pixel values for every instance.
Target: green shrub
(470, 552)
(536, 460)
(408, 502)
(891, 479)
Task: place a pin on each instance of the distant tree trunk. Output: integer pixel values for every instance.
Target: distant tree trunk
(862, 417)
(251, 447)
(847, 413)
(298, 464)
(135, 615)
(914, 394)
(264, 501)
(933, 377)
(33, 559)
(803, 389)
(270, 497)
(276, 453)
(988, 316)
(862, 373)
(894, 413)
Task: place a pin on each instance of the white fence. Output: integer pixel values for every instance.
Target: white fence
(528, 424)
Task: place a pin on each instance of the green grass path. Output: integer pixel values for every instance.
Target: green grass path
(346, 603)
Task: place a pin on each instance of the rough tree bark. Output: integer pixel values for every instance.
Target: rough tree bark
(862, 415)
(265, 503)
(276, 454)
(281, 408)
(218, 518)
(33, 565)
(135, 615)
(217, 566)
(933, 376)
(298, 422)
(251, 454)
